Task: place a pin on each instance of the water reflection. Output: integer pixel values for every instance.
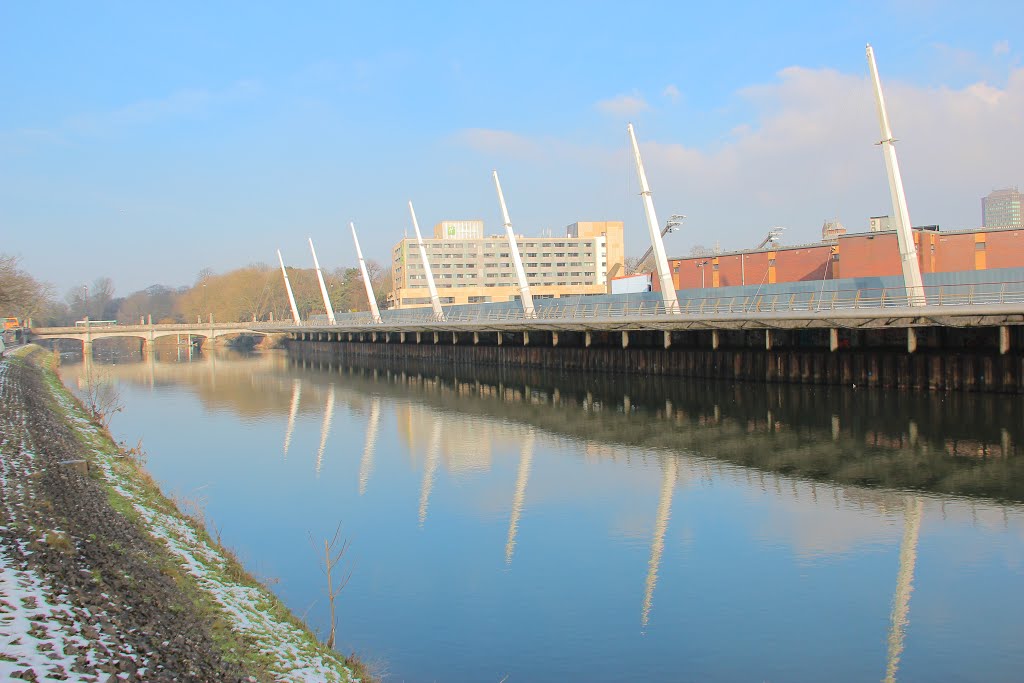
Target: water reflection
(366, 464)
(793, 498)
(430, 469)
(325, 428)
(292, 412)
(668, 486)
(519, 497)
(904, 585)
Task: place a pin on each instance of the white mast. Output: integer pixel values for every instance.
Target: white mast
(434, 300)
(323, 287)
(374, 311)
(668, 288)
(524, 286)
(904, 235)
(288, 287)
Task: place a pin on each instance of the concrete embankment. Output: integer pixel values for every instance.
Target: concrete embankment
(103, 578)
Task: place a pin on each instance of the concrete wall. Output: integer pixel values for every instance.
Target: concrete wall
(951, 365)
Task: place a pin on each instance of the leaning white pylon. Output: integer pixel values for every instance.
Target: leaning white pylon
(435, 302)
(668, 288)
(374, 311)
(904, 233)
(524, 286)
(288, 288)
(323, 287)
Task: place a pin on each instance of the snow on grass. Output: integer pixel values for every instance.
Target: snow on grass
(37, 632)
(295, 657)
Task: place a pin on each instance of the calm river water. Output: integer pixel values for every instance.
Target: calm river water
(513, 527)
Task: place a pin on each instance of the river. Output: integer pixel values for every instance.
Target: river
(512, 526)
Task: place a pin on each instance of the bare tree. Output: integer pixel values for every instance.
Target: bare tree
(332, 557)
(20, 293)
(102, 399)
(101, 299)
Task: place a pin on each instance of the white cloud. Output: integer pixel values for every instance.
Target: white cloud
(622, 105)
(809, 154)
(500, 143)
(182, 103)
(806, 153)
(1001, 48)
(671, 92)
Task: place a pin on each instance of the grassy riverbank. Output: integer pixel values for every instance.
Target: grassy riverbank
(114, 577)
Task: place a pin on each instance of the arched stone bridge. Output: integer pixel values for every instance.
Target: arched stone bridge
(150, 333)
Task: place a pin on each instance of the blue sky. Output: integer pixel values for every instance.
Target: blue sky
(145, 143)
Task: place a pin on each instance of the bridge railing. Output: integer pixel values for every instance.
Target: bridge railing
(555, 310)
(867, 299)
(163, 327)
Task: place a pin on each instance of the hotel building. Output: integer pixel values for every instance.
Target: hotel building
(469, 267)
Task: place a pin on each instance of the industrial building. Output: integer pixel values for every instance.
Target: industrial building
(852, 255)
(469, 267)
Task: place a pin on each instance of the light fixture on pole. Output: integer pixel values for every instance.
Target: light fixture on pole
(701, 264)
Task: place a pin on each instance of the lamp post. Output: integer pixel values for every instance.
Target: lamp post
(85, 302)
(701, 264)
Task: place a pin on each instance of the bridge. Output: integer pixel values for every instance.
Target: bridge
(963, 337)
(998, 306)
(149, 333)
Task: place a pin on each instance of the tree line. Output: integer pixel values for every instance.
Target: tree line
(254, 292)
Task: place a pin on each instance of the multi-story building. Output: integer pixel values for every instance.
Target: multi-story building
(1002, 209)
(469, 267)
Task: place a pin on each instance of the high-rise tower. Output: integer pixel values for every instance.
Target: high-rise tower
(1002, 209)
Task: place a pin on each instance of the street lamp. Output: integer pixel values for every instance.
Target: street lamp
(671, 225)
(85, 302)
(701, 264)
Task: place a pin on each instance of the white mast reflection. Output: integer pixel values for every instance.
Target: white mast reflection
(668, 484)
(430, 468)
(525, 460)
(366, 467)
(292, 412)
(904, 586)
(325, 429)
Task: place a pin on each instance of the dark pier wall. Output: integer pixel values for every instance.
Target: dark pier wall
(944, 360)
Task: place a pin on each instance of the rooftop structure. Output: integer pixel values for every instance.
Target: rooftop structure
(832, 229)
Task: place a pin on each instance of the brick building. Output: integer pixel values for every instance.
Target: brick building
(854, 255)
